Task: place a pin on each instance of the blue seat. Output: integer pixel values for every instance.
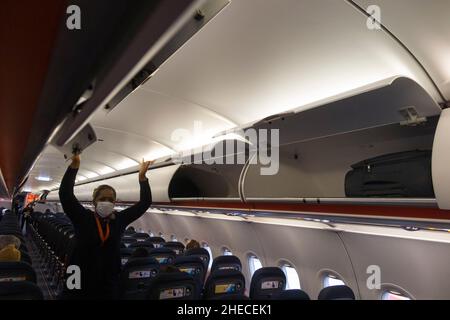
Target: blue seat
(192, 265)
(336, 293)
(202, 253)
(136, 276)
(226, 262)
(176, 246)
(17, 271)
(292, 294)
(266, 283)
(20, 290)
(174, 286)
(224, 282)
(163, 255)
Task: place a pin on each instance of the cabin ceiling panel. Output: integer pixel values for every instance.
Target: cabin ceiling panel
(259, 58)
(164, 119)
(424, 27)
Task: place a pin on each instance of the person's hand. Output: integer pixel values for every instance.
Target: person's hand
(143, 169)
(75, 161)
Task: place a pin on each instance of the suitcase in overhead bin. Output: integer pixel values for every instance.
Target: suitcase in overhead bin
(402, 174)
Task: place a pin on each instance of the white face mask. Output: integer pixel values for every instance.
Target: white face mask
(104, 208)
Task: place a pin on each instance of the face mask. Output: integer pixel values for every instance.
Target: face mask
(104, 208)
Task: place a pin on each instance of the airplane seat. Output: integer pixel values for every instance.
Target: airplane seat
(125, 254)
(226, 262)
(174, 286)
(266, 283)
(292, 294)
(136, 276)
(192, 265)
(156, 241)
(141, 244)
(163, 255)
(230, 297)
(17, 271)
(128, 241)
(336, 293)
(20, 290)
(129, 231)
(202, 253)
(224, 282)
(176, 246)
(140, 236)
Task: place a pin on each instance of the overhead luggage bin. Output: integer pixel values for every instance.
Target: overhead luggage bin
(318, 146)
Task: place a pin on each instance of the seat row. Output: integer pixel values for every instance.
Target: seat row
(18, 279)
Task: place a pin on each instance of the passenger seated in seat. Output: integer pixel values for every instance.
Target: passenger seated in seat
(9, 248)
(192, 244)
(139, 253)
(98, 234)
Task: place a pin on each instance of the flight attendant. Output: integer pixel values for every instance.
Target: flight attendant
(98, 234)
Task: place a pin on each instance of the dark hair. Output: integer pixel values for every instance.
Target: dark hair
(192, 244)
(101, 188)
(139, 253)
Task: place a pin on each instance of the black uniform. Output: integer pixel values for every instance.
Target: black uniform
(99, 262)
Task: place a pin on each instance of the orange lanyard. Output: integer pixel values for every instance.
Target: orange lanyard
(103, 237)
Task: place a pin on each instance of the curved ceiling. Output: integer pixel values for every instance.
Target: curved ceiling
(256, 59)
(424, 27)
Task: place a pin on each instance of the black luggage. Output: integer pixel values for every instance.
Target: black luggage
(402, 174)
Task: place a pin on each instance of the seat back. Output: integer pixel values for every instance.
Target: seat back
(20, 290)
(226, 262)
(155, 241)
(202, 253)
(163, 255)
(174, 286)
(176, 246)
(16, 271)
(266, 283)
(224, 282)
(136, 276)
(192, 265)
(336, 293)
(140, 236)
(292, 294)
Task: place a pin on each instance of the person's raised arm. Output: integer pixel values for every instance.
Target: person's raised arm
(132, 213)
(69, 202)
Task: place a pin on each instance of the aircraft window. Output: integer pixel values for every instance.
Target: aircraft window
(292, 279)
(332, 280)
(206, 246)
(254, 264)
(227, 252)
(393, 295)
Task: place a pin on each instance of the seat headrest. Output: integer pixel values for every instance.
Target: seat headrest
(174, 285)
(226, 281)
(267, 282)
(292, 294)
(226, 262)
(336, 293)
(137, 262)
(141, 244)
(156, 241)
(140, 235)
(163, 255)
(20, 290)
(176, 246)
(193, 265)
